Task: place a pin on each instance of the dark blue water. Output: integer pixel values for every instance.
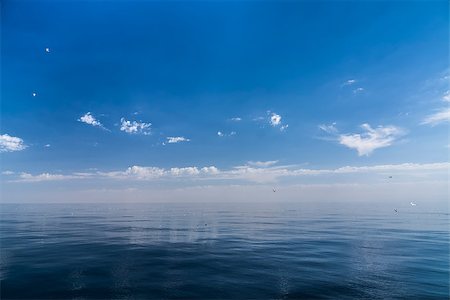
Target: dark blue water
(277, 251)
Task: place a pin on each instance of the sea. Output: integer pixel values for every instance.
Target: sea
(223, 251)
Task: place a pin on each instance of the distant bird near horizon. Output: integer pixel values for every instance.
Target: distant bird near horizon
(274, 190)
(412, 203)
(395, 210)
(390, 176)
(47, 50)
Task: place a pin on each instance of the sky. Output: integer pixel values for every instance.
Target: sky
(217, 100)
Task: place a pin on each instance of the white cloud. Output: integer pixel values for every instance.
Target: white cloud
(222, 134)
(349, 82)
(358, 90)
(440, 116)
(145, 172)
(47, 145)
(365, 143)
(134, 127)
(184, 171)
(446, 96)
(44, 177)
(177, 139)
(262, 164)
(88, 118)
(437, 118)
(329, 128)
(8, 173)
(11, 143)
(210, 170)
(257, 172)
(275, 119)
(236, 119)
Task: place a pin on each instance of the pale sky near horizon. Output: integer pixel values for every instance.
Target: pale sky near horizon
(165, 101)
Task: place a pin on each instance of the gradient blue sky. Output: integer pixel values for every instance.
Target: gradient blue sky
(360, 84)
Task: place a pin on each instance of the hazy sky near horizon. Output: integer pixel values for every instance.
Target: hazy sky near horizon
(145, 100)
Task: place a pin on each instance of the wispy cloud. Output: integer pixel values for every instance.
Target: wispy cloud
(134, 127)
(370, 140)
(328, 128)
(349, 82)
(222, 134)
(176, 139)
(358, 90)
(438, 117)
(442, 115)
(11, 143)
(89, 119)
(236, 119)
(27, 177)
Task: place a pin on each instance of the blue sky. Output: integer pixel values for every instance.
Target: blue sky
(133, 95)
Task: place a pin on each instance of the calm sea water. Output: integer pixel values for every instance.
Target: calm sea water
(276, 251)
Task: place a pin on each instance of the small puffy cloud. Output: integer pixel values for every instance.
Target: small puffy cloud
(134, 127)
(349, 82)
(89, 119)
(236, 119)
(358, 90)
(372, 139)
(329, 128)
(176, 139)
(11, 143)
(284, 127)
(222, 134)
(47, 145)
(262, 164)
(275, 119)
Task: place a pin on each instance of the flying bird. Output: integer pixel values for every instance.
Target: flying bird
(395, 210)
(47, 50)
(412, 203)
(34, 94)
(274, 190)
